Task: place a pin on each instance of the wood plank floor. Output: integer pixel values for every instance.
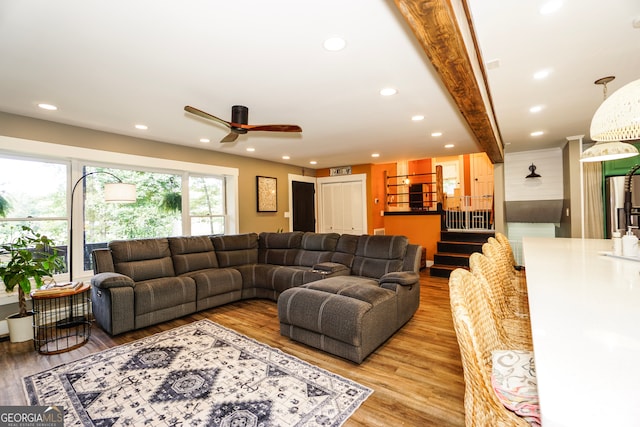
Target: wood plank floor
(416, 375)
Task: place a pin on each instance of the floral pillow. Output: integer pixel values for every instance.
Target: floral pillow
(513, 378)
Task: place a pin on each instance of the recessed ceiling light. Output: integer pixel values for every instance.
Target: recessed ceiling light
(436, 134)
(313, 162)
(536, 109)
(550, 7)
(537, 133)
(285, 157)
(417, 118)
(251, 149)
(49, 107)
(334, 44)
(388, 91)
(205, 140)
(493, 64)
(375, 155)
(542, 74)
(142, 127)
(449, 146)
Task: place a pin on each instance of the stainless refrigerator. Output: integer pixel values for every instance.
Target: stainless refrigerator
(614, 200)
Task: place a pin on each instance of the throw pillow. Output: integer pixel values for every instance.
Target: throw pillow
(513, 378)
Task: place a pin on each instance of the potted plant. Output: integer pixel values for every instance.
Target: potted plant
(30, 256)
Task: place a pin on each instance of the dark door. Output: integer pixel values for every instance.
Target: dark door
(304, 206)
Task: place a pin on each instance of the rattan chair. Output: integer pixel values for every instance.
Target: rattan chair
(495, 252)
(508, 309)
(504, 241)
(478, 335)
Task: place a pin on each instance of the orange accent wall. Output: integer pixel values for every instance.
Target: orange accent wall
(423, 230)
(419, 166)
(466, 164)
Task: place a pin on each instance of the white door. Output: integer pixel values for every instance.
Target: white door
(352, 207)
(342, 204)
(482, 180)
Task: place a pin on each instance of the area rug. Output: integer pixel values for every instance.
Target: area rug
(200, 374)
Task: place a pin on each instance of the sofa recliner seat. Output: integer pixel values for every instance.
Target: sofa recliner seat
(147, 281)
(353, 315)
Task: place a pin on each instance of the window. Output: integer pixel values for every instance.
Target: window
(206, 205)
(157, 210)
(450, 177)
(173, 198)
(33, 193)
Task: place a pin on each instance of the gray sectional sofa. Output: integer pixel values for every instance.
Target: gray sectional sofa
(343, 294)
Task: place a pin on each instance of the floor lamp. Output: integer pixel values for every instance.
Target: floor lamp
(117, 192)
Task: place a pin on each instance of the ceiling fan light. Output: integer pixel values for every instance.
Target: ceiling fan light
(618, 117)
(608, 150)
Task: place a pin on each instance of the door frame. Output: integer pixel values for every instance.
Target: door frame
(361, 177)
(302, 178)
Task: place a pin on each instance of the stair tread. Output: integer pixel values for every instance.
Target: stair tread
(448, 267)
(453, 254)
(460, 242)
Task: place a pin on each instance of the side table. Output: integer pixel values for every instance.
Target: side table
(62, 319)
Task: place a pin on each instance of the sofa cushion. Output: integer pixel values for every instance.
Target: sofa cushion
(139, 249)
(279, 248)
(142, 259)
(236, 249)
(316, 248)
(277, 277)
(378, 255)
(366, 290)
(161, 293)
(216, 281)
(345, 249)
(192, 253)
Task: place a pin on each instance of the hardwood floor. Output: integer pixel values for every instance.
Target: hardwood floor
(416, 375)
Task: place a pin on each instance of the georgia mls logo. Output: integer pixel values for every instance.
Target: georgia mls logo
(31, 416)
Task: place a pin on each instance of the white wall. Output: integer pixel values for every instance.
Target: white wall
(548, 165)
(550, 186)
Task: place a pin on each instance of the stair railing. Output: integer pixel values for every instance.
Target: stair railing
(468, 212)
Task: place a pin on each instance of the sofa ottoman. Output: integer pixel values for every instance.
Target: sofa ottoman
(345, 316)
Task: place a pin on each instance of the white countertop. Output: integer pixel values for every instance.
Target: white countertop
(585, 320)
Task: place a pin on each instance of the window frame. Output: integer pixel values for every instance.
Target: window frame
(77, 157)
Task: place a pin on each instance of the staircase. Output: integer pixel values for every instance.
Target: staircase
(454, 249)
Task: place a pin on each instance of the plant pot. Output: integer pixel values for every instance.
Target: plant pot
(20, 328)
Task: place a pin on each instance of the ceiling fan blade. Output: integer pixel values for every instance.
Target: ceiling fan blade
(231, 136)
(274, 128)
(206, 115)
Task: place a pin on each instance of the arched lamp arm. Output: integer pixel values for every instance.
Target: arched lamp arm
(73, 191)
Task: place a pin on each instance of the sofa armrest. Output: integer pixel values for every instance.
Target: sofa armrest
(111, 280)
(329, 267)
(403, 278)
(102, 260)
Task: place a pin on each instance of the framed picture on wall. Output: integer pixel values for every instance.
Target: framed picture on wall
(267, 194)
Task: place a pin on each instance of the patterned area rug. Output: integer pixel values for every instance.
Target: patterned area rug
(200, 374)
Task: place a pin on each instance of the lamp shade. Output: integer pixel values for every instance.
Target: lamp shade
(120, 193)
(602, 151)
(618, 117)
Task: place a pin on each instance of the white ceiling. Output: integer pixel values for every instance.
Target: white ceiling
(109, 65)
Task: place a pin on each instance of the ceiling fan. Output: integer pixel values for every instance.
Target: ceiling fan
(238, 124)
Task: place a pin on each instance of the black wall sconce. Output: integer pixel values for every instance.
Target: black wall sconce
(533, 173)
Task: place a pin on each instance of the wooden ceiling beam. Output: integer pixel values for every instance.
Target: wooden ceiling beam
(445, 31)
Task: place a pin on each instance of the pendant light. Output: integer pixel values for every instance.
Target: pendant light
(616, 120)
